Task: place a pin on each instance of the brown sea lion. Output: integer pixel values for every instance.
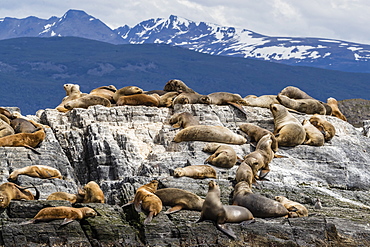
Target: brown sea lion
(177, 86)
(91, 193)
(22, 125)
(195, 171)
(105, 92)
(261, 157)
(62, 196)
(6, 113)
(223, 155)
(208, 133)
(295, 209)
(183, 120)
(255, 133)
(326, 128)
(221, 98)
(308, 106)
(10, 191)
(287, 130)
(69, 214)
(167, 99)
(314, 137)
(72, 92)
(295, 93)
(259, 205)
(86, 101)
(219, 214)
(138, 99)
(129, 90)
(262, 101)
(146, 199)
(37, 171)
(333, 103)
(188, 98)
(5, 128)
(179, 199)
(245, 173)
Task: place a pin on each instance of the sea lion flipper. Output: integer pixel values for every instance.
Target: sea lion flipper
(247, 222)
(34, 150)
(263, 173)
(279, 156)
(239, 107)
(127, 204)
(27, 222)
(225, 230)
(173, 209)
(137, 206)
(149, 218)
(66, 221)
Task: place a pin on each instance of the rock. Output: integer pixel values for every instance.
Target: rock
(122, 148)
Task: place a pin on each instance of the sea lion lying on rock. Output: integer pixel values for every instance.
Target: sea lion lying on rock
(326, 128)
(308, 106)
(63, 196)
(72, 92)
(223, 155)
(37, 171)
(295, 209)
(195, 171)
(91, 193)
(11, 191)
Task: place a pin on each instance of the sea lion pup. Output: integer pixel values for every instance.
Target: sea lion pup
(177, 86)
(295, 209)
(37, 171)
(183, 120)
(105, 92)
(333, 103)
(295, 93)
(308, 106)
(288, 130)
(179, 199)
(72, 92)
(208, 133)
(219, 214)
(91, 193)
(62, 196)
(255, 133)
(259, 205)
(146, 199)
(223, 155)
(69, 214)
(129, 90)
(5, 128)
(261, 157)
(195, 171)
(86, 101)
(245, 173)
(138, 99)
(11, 191)
(326, 128)
(262, 101)
(314, 137)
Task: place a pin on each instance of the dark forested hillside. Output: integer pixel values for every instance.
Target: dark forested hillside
(33, 71)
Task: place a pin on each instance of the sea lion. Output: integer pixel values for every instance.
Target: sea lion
(295, 209)
(287, 130)
(72, 92)
(183, 120)
(245, 173)
(221, 98)
(259, 205)
(209, 133)
(179, 199)
(138, 99)
(255, 133)
(219, 214)
(146, 199)
(91, 193)
(223, 155)
(129, 90)
(37, 171)
(195, 171)
(27, 140)
(262, 101)
(86, 101)
(105, 92)
(261, 157)
(11, 191)
(314, 137)
(333, 103)
(326, 128)
(22, 125)
(295, 93)
(5, 128)
(62, 196)
(177, 86)
(6, 113)
(308, 106)
(69, 214)
(159, 92)
(167, 99)
(188, 98)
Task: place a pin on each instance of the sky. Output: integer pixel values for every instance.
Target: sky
(347, 20)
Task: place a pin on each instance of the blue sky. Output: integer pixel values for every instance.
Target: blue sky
(335, 19)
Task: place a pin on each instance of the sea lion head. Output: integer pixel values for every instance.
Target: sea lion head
(88, 212)
(178, 172)
(279, 198)
(205, 100)
(153, 184)
(242, 185)
(4, 201)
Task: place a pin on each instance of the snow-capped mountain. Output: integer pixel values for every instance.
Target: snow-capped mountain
(199, 36)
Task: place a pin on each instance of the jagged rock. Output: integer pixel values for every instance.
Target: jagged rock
(122, 148)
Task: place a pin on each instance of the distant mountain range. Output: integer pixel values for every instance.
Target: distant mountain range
(201, 37)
